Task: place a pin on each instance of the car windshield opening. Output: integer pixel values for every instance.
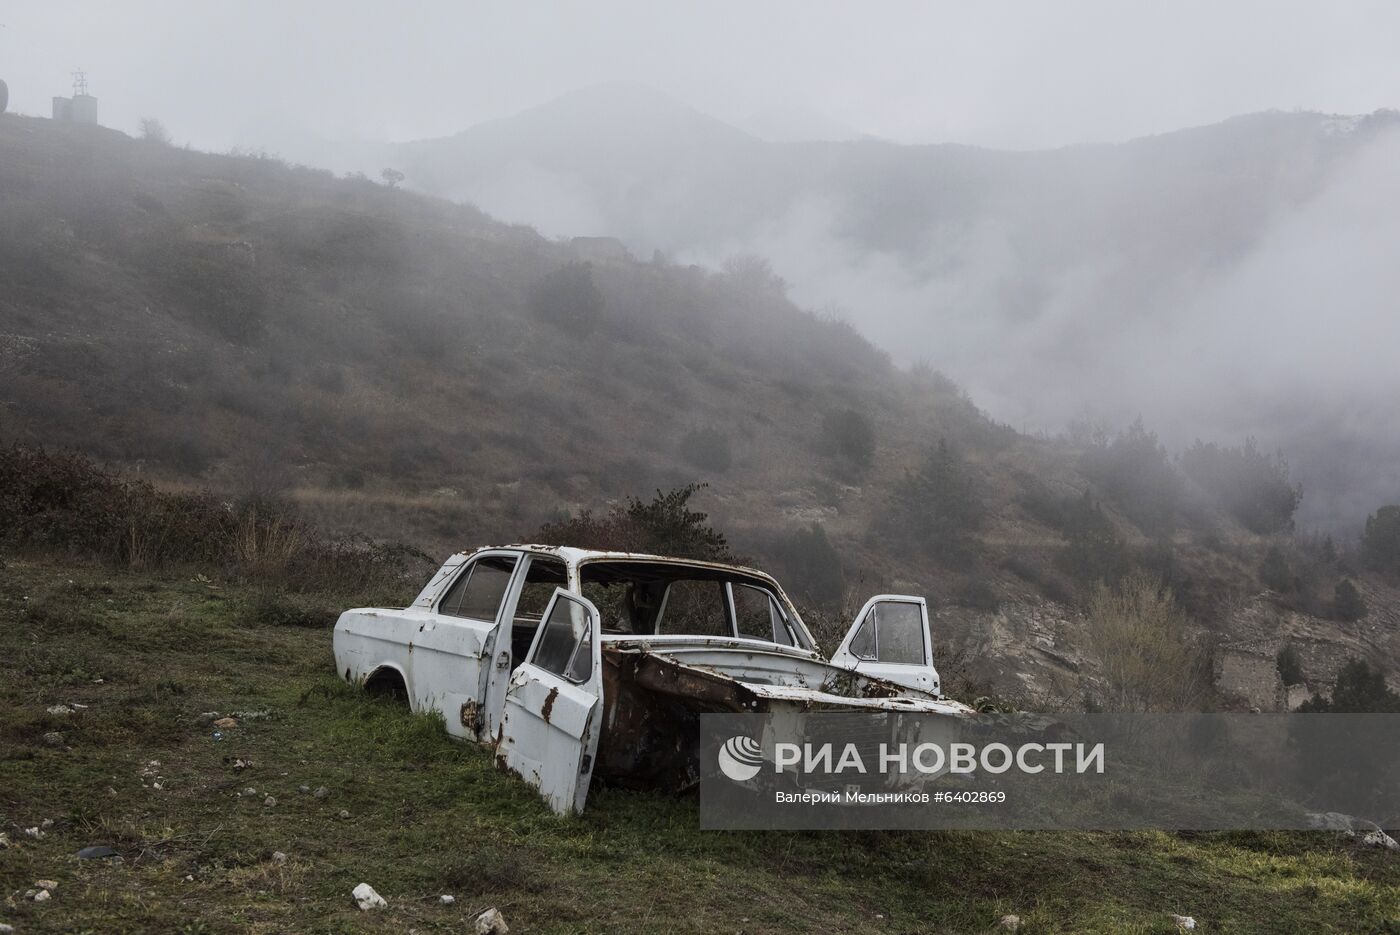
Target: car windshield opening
(639, 598)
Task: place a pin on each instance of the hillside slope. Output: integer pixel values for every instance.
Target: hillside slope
(1213, 280)
(412, 369)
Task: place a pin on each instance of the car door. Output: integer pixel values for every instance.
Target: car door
(549, 731)
(449, 656)
(890, 639)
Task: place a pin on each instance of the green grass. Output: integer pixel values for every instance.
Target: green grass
(431, 816)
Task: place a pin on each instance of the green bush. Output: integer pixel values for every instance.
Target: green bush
(1290, 666)
(1380, 542)
(1347, 602)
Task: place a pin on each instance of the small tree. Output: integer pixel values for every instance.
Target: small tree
(153, 131)
(937, 507)
(1290, 667)
(1359, 689)
(1135, 472)
(753, 274)
(392, 177)
(1139, 636)
(812, 565)
(1247, 483)
(1347, 602)
(1380, 543)
(1096, 552)
(849, 435)
(568, 299)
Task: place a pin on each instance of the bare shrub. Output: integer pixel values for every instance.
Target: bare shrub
(153, 131)
(64, 503)
(1140, 638)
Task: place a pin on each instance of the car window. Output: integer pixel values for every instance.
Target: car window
(542, 576)
(756, 615)
(899, 633)
(478, 591)
(566, 644)
(695, 608)
(863, 643)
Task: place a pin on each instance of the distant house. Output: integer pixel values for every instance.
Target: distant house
(600, 249)
(80, 108)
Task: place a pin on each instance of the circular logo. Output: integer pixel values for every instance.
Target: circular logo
(740, 758)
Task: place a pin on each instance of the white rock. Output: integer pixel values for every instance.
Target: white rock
(366, 898)
(320, 792)
(1185, 923)
(250, 791)
(42, 896)
(345, 813)
(60, 709)
(34, 832)
(6, 929)
(447, 899)
(1009, 923)
(1379, 838)
(491, 922)
(269, 801)
(278, 857)
(46, 823)
(46, 884)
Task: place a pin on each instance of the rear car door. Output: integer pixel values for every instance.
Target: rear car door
(890, 639)
(549, 731)
(449, 656)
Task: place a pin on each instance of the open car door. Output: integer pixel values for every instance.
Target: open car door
(549, 732)
(890, 639)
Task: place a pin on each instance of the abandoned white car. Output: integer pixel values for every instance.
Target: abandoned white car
(580, 664)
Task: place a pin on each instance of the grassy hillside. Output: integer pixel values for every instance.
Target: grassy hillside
(142, 768)
(175, 310)
(413, 370)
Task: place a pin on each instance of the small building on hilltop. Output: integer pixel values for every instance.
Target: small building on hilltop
(80, 108)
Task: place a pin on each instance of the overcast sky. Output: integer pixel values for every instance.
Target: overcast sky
(1024, 75)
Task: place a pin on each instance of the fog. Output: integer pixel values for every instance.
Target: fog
(1219, 286)
(263, 74)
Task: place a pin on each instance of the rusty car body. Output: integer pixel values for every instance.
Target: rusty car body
(580, 665)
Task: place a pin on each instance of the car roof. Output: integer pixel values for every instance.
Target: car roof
(576, 556)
